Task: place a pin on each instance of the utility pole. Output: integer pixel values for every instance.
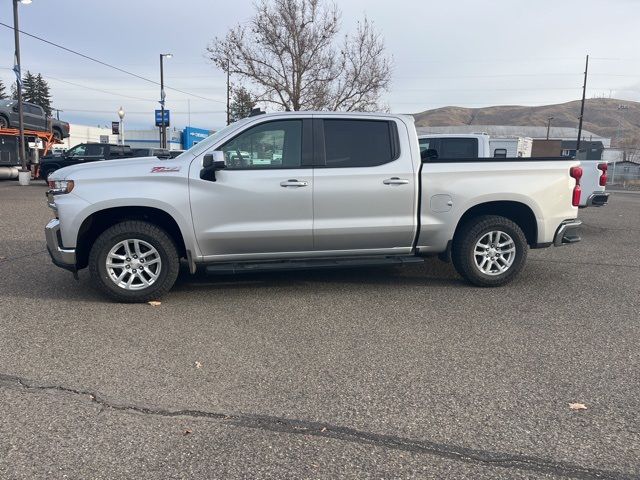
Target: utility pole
(584, 93)
(548, 126)
(17, 70)
(163, 127)
(228, 92)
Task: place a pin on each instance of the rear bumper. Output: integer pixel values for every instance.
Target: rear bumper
(598, 199)
(568, 232)
(61, 257)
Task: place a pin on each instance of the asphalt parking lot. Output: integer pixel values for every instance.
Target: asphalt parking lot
(370, 373)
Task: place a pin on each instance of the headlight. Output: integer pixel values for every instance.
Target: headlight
(60, 186)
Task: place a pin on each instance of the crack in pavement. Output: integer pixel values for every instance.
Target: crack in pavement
(4, 259)
(329, 431)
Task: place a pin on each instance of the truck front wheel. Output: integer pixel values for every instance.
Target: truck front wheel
(489, 250)
(134, 261)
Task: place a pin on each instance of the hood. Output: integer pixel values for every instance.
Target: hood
(126, 167)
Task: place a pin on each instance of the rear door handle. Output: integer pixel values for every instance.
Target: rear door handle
(293, 183)
(395, 181)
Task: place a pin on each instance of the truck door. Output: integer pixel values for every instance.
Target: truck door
(261, 203)
(365, 187)
(34, 118)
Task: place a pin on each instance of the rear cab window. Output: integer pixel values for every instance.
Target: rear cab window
(360, 143)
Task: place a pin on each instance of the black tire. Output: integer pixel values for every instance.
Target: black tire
(46, 171)
(140, 230)
(463, 252)
(57, 134)
(4, 123)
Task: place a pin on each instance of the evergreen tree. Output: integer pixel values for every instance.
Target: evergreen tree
(43, 94)
(241, 105)
(29, 88)
(3, 94)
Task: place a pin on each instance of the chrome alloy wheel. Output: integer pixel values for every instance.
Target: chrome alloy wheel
(133, 264)
(494, 253)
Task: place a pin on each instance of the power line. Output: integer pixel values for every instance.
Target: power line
(108, 64)
(98, 89)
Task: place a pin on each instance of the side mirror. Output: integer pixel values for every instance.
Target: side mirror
(15, 108)
(212, 162)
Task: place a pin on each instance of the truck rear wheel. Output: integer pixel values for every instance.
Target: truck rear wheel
(489, 250)
(134, 261)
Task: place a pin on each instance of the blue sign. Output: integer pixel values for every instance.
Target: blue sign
(192, 135)
(159, 118)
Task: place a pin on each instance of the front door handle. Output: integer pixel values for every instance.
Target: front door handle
(293, 183)
(395, 181)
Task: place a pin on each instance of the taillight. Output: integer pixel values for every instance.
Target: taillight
(576, 172)
(603, 176)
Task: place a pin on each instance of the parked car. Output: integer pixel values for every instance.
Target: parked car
(175, 153)
(81, 154)
(471, 146)
(150, 152)
(34, 119)
(594, 182)
(329, 190)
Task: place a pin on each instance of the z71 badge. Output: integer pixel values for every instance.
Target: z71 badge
(165, 169)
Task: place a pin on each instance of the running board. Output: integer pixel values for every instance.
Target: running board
(309, 264)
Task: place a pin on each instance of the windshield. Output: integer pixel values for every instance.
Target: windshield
(6, 103)
(208, 142)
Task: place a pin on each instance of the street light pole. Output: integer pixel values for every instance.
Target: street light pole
(18, 71)
(163, 127)
(548, 126)
(121, 115)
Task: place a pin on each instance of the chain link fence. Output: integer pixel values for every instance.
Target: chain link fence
(625, 175)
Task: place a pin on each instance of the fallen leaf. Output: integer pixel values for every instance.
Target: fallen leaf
(577, 406)
(187, 432)
(154, 303)
(198, 365)
(324, 429)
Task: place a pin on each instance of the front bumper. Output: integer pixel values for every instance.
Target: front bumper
(597, 199)
(567, 233)
(61, 257)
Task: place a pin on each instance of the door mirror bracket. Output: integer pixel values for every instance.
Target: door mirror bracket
(211, 163)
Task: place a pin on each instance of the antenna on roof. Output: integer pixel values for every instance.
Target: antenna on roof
(256, 111)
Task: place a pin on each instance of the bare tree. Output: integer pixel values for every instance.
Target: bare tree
(290, 53)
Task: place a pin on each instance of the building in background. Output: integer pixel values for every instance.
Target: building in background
(514, 131)
(86, 134)
(151, 138)
(176, 139)
(193, 135)
(588, 150)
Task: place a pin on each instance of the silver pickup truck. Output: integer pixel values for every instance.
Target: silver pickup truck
(302, 190)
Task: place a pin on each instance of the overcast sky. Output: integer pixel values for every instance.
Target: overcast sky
(454, 52)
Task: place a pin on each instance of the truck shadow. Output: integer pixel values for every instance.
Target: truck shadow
(431, 273)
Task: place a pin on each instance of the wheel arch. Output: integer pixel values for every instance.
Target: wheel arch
(518, 212)
(101, 220)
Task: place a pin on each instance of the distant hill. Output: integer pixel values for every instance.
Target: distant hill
(601, 116)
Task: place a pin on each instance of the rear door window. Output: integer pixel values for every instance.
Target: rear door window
(359, 143)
